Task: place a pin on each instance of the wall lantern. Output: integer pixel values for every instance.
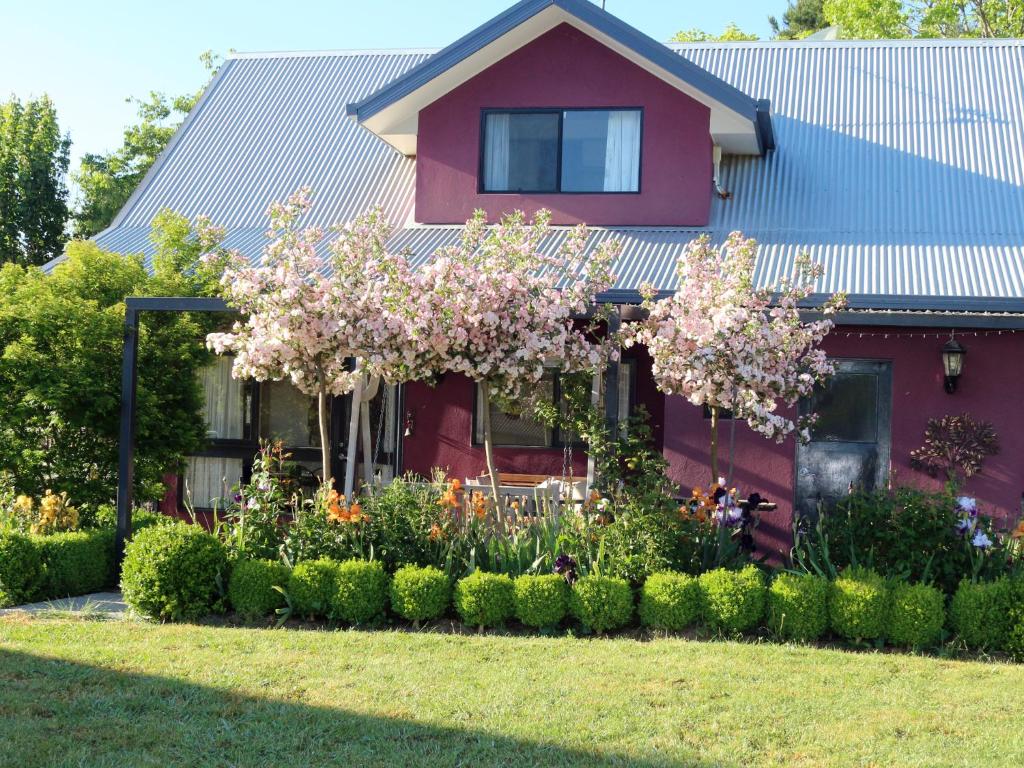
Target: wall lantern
(952, 363)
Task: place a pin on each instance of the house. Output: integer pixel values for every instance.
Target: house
(899, 165)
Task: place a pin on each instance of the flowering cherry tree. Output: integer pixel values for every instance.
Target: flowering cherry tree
(497, 309)
(306, 318)
(722, 343)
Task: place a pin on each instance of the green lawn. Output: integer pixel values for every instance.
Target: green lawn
(95, 693)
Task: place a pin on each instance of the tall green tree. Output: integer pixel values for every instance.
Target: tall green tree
(729, 34)
(34, 160)
(800, 19)
(106, 181)
(61, 340)
(875, 19)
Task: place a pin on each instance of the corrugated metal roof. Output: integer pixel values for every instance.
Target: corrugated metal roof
(899, 164)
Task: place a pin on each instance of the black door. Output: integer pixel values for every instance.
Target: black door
(849, 447)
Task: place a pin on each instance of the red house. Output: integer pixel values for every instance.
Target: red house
(898, 165)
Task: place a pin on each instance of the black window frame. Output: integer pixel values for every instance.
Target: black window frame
(560, 111)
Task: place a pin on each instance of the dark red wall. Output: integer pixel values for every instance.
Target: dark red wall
(990, 389)
(566, 68)
(443, 434)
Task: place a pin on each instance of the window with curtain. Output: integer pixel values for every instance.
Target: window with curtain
(209, 479)
(523, 431)
(570, 150)
(224, 400)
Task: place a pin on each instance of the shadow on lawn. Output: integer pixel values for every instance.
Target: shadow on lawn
(59, 713)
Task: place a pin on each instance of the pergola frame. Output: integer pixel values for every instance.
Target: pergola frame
(134, 307)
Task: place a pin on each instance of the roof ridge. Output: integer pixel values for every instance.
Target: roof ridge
(930, 42)
(328, 52)
(917, 42)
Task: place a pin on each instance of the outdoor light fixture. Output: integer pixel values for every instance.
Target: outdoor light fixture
(952, 363)
(410, 424)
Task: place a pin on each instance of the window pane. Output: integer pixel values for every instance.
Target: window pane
(601, 150)
(209, 481)
(847, 409)
(520, 151)
(510, 429)
(288, 415)
(224, 400)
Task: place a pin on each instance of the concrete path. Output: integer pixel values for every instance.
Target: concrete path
(109, 604)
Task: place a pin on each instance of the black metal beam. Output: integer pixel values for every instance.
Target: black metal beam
(611, 383)
(126, 445)
(176, 304)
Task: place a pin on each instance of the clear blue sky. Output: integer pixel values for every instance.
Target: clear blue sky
(90, 56)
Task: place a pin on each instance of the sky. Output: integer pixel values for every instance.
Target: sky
(90, 56)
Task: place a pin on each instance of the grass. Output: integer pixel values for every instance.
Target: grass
(88, 693)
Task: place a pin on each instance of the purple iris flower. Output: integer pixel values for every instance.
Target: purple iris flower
(565, 566)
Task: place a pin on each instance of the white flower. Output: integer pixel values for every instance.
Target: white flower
(981, 540)
(967, 503)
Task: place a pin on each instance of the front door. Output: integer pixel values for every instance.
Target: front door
(849, 447)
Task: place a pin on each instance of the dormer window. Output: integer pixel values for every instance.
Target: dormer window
(561, 150)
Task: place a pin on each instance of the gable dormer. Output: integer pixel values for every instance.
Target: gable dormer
(557, 104)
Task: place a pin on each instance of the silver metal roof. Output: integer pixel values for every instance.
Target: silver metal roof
(899, 164)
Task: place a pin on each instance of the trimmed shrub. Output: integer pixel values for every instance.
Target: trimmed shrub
(251, 588)
(798, 606)
(601, 603)
(418, 594)
(732, 601)
(857, 604)
(669, 601)
(76, 562)
(978, 614)
(485, 599)
(916, 615)
(361, 594)
(541, 601)
(311, 587)
(173, 572)
(21, 568)
(1013, 598)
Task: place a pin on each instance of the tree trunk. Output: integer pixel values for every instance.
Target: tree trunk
(485, 396)
(714, 443)
(325, 429)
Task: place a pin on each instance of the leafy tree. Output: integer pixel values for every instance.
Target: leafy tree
(730, 33)
(800, 19)
(107, 181)
(33, 195)
(875, 19)
(61, 340)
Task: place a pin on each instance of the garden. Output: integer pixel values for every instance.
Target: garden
(898, 567)
(425, 610)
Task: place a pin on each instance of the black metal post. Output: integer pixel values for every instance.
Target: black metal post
(126, 446)
(611, 382)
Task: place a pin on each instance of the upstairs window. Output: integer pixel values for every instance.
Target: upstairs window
(569, 150)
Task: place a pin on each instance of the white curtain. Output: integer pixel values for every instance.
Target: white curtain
(496, 151)
(209, 481)
(622, 152)
(223, 400)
